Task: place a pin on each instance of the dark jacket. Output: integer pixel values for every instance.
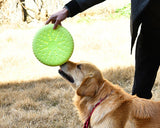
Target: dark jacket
(137, 7)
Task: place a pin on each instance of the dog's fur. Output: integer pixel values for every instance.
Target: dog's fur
(118, 107)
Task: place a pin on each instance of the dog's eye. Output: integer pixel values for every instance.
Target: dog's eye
(79, 66)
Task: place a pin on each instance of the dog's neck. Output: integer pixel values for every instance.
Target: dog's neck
(87, 122)
(86, 104)
(102, 86)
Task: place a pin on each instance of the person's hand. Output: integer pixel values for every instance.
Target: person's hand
(58, 17)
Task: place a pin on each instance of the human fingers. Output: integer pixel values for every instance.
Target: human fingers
(48, 21)
(51, 19)
(57, 22)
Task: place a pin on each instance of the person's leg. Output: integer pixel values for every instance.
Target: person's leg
(146, 69)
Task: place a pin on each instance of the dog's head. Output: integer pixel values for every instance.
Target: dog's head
(84, 77)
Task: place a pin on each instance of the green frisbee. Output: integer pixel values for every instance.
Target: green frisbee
(53, 47)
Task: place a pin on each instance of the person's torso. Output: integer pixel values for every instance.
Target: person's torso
(152, 15)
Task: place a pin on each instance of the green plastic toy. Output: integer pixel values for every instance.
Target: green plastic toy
(53, 47)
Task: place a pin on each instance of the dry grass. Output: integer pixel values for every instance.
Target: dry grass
(11, 10)
(45, 103)
(33, 95)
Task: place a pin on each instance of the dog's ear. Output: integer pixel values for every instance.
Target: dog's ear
(89, 87)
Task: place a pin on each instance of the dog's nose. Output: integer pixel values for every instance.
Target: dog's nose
(63, 65)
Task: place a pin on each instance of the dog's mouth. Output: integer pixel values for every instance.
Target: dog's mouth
(66, 76)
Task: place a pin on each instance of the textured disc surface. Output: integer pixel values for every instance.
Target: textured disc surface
(53, 47)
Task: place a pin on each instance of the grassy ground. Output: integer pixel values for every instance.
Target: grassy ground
(33, 95)
(46, 103)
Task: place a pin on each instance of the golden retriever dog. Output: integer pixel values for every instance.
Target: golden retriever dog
(101, 104)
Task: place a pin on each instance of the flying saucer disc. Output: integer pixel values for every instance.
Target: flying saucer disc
(53, 47)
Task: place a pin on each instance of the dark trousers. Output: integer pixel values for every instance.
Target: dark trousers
(147, 62)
